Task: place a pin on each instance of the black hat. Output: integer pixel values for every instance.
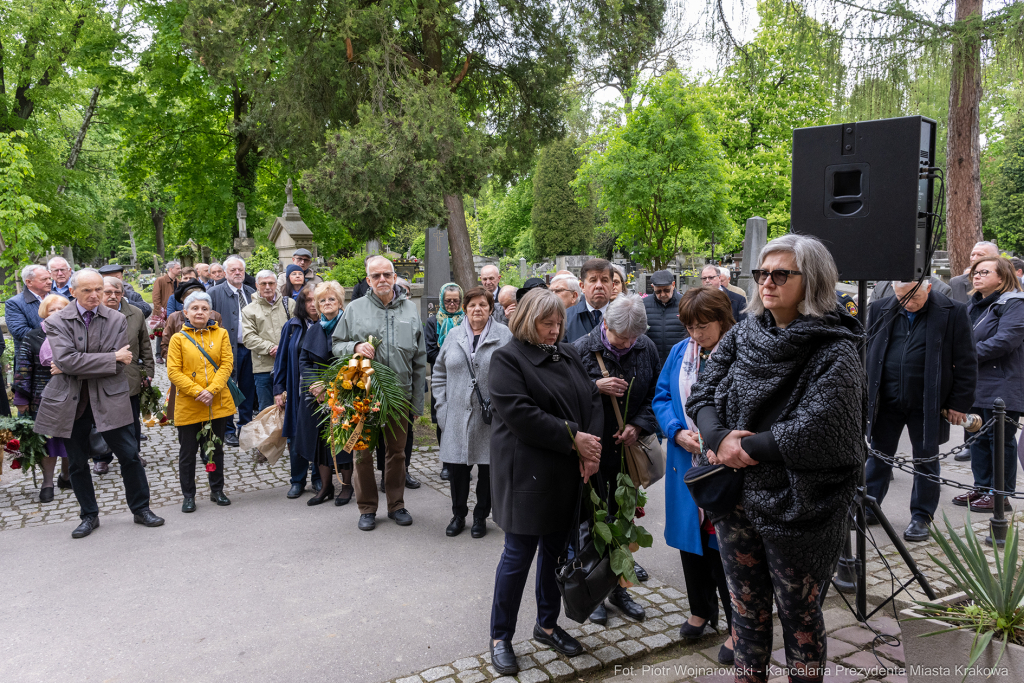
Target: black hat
(661, 278)
(532, 283)
(110, 269)
(187, 285)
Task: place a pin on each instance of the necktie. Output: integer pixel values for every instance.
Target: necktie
(596, 315)
(87, 317)
(83, 389)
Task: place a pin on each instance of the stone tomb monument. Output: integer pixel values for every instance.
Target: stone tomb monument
(244, 245)
(437, 269)
(289, 232)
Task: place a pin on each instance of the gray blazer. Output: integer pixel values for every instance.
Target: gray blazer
(959, 287)
(85, 355)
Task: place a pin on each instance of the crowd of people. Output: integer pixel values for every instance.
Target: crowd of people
(539, 388)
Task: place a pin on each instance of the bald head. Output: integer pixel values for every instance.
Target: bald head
(489, 277)
(87, 288)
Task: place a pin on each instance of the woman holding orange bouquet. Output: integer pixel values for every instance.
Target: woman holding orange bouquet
(314, 356)
(199, 363)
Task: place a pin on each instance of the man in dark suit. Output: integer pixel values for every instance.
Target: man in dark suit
(961, 284)
(229, 299)
(588, 313)
(710, 276)
(921, 360)
(90, 348)
(128, 292)
(21, 311)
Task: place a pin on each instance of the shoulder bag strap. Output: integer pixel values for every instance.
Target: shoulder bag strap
(476, 384)
(202, 351)
(615, 402)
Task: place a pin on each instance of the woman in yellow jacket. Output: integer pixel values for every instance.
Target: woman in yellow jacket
(203, 397)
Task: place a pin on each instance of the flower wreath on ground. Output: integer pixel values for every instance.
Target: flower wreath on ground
(363, 397)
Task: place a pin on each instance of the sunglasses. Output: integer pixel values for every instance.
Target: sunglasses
(779, 277)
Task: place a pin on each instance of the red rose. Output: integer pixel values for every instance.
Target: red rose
(211, 467)
(152, 336)
(640, 513)
(14, 444)
(16, 465)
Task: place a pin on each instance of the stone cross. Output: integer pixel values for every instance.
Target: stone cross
(288, 191)
(241, 220)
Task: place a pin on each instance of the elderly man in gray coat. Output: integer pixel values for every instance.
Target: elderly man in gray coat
(90, 350)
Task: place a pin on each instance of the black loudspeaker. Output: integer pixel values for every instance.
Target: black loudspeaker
(859, 188)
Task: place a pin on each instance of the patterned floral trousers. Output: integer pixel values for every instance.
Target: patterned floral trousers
(757, 573)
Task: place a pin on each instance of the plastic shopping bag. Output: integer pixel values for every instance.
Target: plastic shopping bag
(264, 434)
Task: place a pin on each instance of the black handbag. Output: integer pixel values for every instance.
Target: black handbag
(586, 579)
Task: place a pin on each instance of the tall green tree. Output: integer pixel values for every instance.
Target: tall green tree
(560, 225)
(661, 176)
(1004, 191)
(20, 235)
(506, 215)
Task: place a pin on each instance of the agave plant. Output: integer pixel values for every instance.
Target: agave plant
(995, 601)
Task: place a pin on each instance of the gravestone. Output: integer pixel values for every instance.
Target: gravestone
(244, 245)
(290, 232)
(753, 242)
(523, 274)
(437, 269)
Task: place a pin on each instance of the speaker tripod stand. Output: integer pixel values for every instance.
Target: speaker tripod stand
(851, 574)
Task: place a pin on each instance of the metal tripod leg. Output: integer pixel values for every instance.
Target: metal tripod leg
(869, 501)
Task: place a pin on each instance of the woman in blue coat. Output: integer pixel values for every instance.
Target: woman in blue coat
(996, 310)
(288, 390)
(707, 315)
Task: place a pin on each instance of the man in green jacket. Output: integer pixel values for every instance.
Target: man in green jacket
(387, 314)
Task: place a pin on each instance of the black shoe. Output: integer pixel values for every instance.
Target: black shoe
(599, 615)
(479, 529)
(503, 659)
(401, 517)
(189, 504)
(367, 521)
(324, 495)
(318, 486)
(445, 474)
(726, 656)
(296, 490)
(231, 440)
(143, 438)
(147, 518)
(219, 498)
(558, 639)
(382, 489)
(641, 573)
(455, 526)
(691, 632)
(869, 517)
(411, 483)
(916, 531)
(62, 483)
(46, 494)
(100, 467)
(962, 457)
(345, 497)
(86, 527)
(621, 598)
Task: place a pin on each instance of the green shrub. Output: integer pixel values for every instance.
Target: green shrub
(347, 271)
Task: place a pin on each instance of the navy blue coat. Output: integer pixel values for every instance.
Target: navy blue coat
(578, 321)
(287, 374)
(315, 355)
(950, 362)
(21, 313)
(738, 304)
(999, 342)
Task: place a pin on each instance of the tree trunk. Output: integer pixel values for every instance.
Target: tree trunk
(458, 241)
(963, 145)
(76, 148)
(158, 216)
(246, 153)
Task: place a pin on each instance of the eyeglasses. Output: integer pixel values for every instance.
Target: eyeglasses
(709, 278)
(981, 273)
(779, 277)
(380, 276)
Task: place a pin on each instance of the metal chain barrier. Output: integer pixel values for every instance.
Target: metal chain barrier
(907, 464)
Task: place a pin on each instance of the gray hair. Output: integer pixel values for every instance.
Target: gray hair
(537, 304)
(233, 258)
(571, 281)
(49, 264)
(405, 284)
(171, 264)
(988, 244)
(77, 276)
(113, 282)
(374, 259)
(626, 315)
(216, 264)
(263, 274)
(819, 273)
(725, 272)
(29, 272)
(197, 296)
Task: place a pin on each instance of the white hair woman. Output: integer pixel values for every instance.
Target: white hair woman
(199, 363)
(631, 359)
(782, 399)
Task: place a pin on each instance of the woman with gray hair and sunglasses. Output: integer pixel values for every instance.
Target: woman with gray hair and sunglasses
(620, 344)
(783, 400)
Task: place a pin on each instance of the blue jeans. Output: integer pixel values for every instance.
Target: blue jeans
(510, 581)
(983, 449)
(264, 390)
(247, 385)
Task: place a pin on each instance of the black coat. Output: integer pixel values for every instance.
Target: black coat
(950, 364)
(813, 368)
(665, 329)
(538, 399)
(31, 377)
(639, 366)
(315, 354)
